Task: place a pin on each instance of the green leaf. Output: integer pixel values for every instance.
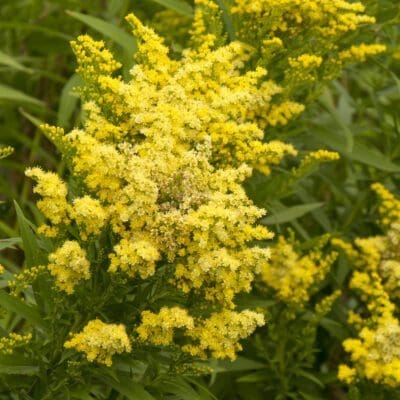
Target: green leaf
(9, 61)
(240, 364)
(177, 5)
(10, 94)
(310, 377)
(180, 388)
(33, 253)
(28, 312)
(226, 16)
(17, 365)
(119, 36)
(68, 101)
(129, 388)
(35, 121)
(254, 377)
(360, 152)
(290, 213)
(9, 243)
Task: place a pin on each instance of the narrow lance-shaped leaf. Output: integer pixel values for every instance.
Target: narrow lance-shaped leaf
(10, 94)
(124, 39)
(9, 61)
(179, 6)
(290, 213)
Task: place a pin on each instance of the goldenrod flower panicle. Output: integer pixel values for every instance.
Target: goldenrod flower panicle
(89, 214)
(293, 274)
(93, 58)
(361, 52)
(6, 151)
(389, 208)
(54, 192)
(159, 328)
(135, 257)
(375, 353)
(12, 341)
(219, 335)
(100, 341)
(69, 265)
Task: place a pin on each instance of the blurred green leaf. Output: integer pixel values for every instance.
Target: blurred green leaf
(290, 213)
(9, 243)
(10, 94)
(68, 101)
(17, 365)
(119, 36)
(129, 388)
(9, 61)
(33, 252)
(179, 6)
(28, 312)
(240, 364)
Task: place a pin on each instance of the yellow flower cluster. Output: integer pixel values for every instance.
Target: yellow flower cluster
(12, 341)
(69, 265)
(100, 341)
(375, 354)
(313, 159)
(89, 215)
(5, 151)
(305, 66)
(159, 328)
(54, 195)
(389, 206)
(361, 52)
(24, 278)
(308, 39)
(292, 274)
(219, 335)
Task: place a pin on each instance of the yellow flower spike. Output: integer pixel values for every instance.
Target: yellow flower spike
(100, 341)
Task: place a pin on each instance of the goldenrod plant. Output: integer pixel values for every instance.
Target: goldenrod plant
(157, 267)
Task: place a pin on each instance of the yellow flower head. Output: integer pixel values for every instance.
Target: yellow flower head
(100, 341)
(69, 265)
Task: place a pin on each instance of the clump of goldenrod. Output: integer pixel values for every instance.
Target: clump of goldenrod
(375, 353)
(162, 158)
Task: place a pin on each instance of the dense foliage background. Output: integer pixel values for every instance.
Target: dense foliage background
(297, 353)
